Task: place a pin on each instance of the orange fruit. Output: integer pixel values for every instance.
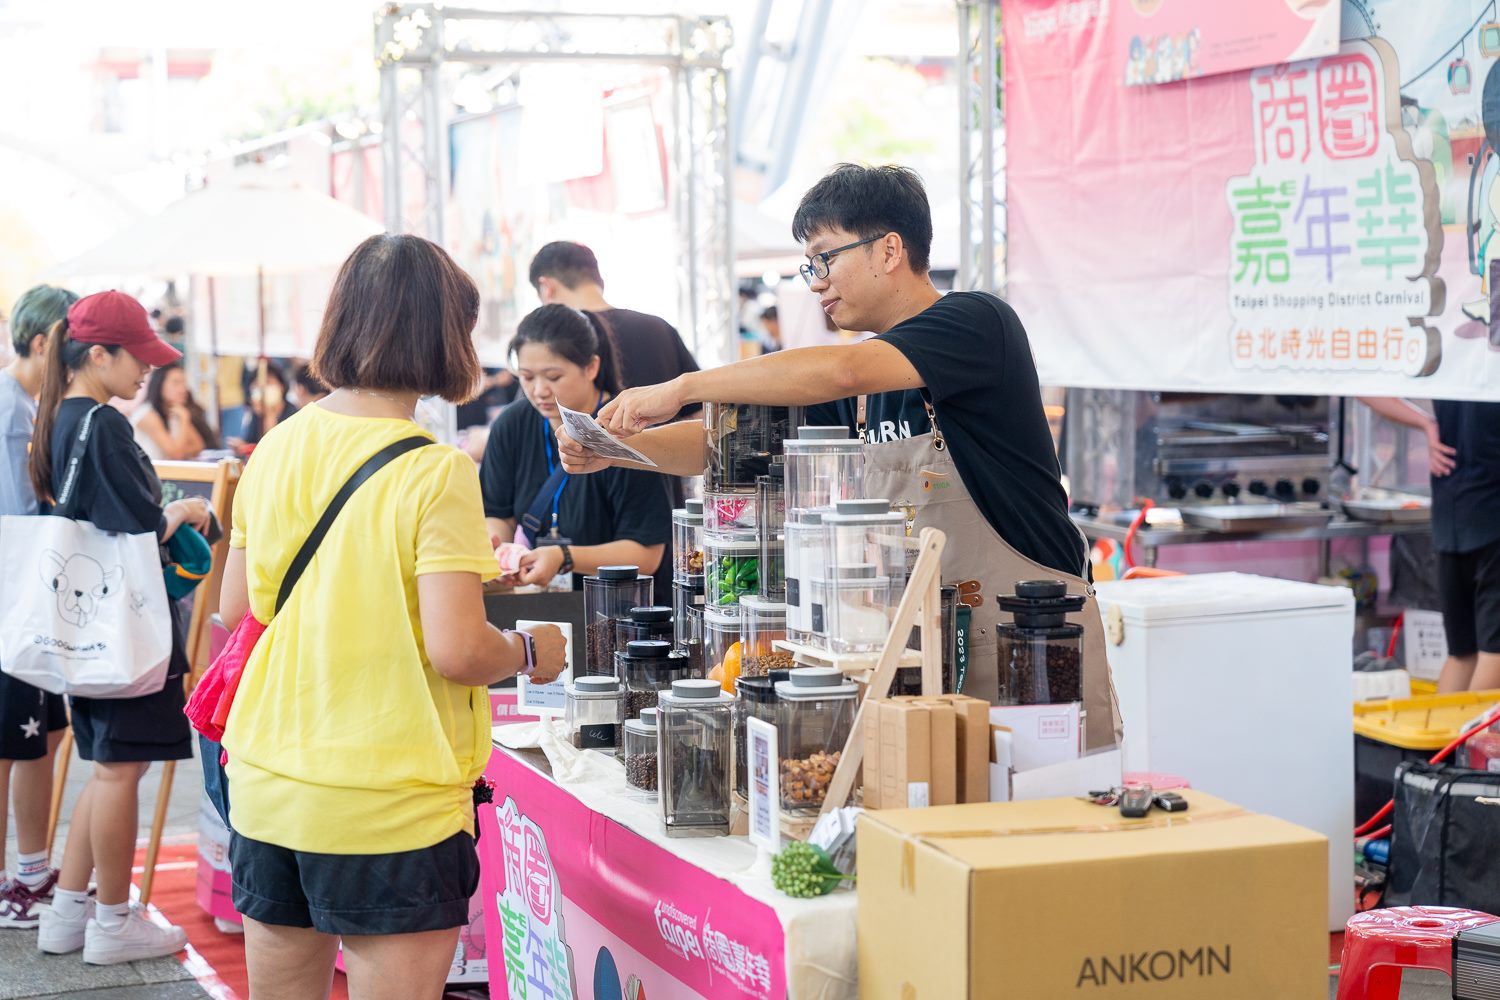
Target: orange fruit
(730, 668)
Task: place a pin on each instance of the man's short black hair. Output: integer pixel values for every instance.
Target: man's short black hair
(570, 263)
(869, 201)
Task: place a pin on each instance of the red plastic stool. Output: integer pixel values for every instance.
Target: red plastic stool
(1380, 943)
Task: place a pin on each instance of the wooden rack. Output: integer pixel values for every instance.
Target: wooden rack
(921, 605)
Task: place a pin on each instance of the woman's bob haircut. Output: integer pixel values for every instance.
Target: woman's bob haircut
(400, 318)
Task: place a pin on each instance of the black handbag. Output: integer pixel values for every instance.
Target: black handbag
(1445, 838)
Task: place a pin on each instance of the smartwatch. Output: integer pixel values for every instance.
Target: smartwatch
(529, 641)
(567, 563)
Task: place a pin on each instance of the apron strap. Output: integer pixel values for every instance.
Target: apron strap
(937, 434)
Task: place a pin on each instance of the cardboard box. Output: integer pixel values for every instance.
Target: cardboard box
(942, 723)
(1060, 898)
(871, 765)
(973, 716)
(905, 754)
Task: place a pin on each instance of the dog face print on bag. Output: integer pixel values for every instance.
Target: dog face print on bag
(80, 583)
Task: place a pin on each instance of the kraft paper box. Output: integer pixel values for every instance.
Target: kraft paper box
(942, 723)
(1060, 898)
(973, 716)
(905, 755)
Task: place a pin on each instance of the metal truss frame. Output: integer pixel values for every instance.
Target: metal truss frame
(413, 41)
(981, 149)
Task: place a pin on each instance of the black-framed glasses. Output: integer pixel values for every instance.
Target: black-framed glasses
(816, 268)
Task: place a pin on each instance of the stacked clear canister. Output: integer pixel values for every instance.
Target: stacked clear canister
(866, 573)
(608, 597)
(695, 746)
(742, 503)
(687, 580)
(823, 466)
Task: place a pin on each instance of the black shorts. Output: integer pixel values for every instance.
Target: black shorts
(403, 893)
(27, 715)
(1469, 583)
(133, 730)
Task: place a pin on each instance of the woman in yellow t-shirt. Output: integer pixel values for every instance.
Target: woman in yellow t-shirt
(362, 719)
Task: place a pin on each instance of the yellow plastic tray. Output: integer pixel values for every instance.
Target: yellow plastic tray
(1425, 722)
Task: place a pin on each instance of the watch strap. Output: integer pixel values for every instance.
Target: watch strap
(529, 642)
(567, 563)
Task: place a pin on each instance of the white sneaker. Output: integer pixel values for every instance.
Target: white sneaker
(136, 939)
(59, 936)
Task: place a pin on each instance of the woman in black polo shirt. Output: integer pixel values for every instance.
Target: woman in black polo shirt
(572, 523)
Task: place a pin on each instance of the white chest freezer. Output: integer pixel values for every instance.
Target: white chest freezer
(1240, 684)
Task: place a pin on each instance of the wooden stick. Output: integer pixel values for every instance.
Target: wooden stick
(59, 783)
(932, 637)
(925, 580)
(153, 846)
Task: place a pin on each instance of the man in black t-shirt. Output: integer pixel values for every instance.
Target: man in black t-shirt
(651, 351)
(867, 232)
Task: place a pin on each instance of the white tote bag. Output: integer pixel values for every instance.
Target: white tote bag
(82, 611)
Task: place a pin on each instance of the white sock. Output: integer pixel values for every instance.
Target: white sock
(33, 869)
(111, 916)
(69, 905)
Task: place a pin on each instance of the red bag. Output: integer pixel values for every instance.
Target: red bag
(208, 708)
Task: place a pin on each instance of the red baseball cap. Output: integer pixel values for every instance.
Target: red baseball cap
(114, 318)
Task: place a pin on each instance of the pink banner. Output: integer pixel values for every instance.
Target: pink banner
(1167, 40)
(578, 906)
(1316, 227)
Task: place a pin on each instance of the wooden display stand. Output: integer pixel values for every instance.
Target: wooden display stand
(215, 482)
(921, 605)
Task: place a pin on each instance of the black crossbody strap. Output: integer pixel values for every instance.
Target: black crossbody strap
(69, 491)
(361, 475)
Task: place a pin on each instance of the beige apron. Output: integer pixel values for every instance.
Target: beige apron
(918, 475)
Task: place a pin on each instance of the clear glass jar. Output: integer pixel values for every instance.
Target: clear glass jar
(687, 541)
(731, 569)
(854, 609)
(654, 622)
(867, 559)
(721, 645)
(734, 511)
(815, 709)
(1040, 652)
(762, 623)
(742, 440)
(823, 465)
(696, 758)
(647, 668)
(687, 620)
(640, 751)
(608, 597)
(755, 698)
(772, 535)
(595, 712)
(806, 558)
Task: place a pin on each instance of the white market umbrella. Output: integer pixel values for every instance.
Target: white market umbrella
(245, 228)
(252, 226)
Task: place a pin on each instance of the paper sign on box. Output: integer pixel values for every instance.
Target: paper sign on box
(1042, 734)
(1426, 644)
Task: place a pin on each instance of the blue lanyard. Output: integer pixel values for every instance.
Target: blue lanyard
(552, 464)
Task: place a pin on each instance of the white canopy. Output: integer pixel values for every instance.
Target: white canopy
(258, 225)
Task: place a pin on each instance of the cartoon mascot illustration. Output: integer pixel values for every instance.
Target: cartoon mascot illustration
(80, 583)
